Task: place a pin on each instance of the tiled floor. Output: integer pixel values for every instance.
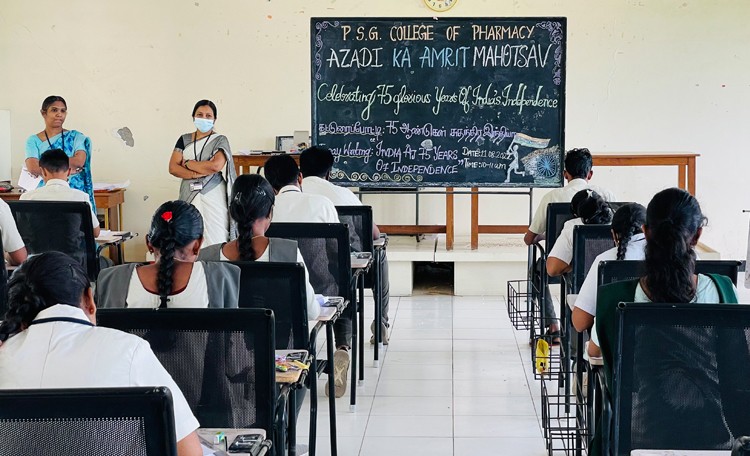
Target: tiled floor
(455, 380)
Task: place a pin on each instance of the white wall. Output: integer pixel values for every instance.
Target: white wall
(642, 76)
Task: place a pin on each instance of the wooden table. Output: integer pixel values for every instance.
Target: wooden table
(243, 163)
(685, 163)
(686, 177)
(110, 201)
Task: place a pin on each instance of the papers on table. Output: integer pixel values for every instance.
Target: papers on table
(109, 186)
(28, 181)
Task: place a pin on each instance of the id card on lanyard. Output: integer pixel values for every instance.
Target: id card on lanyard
(197, 186)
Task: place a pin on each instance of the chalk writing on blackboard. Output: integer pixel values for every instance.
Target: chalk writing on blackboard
(446, 102)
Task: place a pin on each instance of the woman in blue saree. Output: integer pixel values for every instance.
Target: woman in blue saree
(75, 144)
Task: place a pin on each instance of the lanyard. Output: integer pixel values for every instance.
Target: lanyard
(195, 150)
(65, 319)
(62, 134)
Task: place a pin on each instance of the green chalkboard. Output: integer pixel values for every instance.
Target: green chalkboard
(440, 102)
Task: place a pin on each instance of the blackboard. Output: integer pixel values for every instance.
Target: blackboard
(440, 102)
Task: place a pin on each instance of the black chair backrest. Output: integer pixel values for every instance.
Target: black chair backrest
(64, 226)
(359, 221)
(557, 215)
(87, 422)
(281, 288)
(222, 359)
(325, 249)
(682, 377)
(618, 271)
(588, 242)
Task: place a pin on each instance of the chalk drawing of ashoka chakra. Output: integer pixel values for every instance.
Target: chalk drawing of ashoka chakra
(546, 167)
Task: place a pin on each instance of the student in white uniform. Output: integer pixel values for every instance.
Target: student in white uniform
(630, 244)
(292, 205)
(315, 164)
(577, 173)
(49, 340)
(589, 209)
(251, 207)
(13, 244)
(55, 166)
(175, 279)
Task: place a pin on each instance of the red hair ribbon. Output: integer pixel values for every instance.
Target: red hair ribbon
(167, 216)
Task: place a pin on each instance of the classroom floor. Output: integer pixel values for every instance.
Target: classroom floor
(455, 380)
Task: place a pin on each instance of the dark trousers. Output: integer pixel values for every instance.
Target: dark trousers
(342, 328)
(550, 315)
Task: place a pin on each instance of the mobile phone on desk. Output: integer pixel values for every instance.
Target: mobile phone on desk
(246, 443)
(362, 255)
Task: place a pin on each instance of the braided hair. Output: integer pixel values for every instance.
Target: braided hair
(626, 223)
(175, 225)
(252, 199)
(591, 208)
(42, 281)
(673, 219)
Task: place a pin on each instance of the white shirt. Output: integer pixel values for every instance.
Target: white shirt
(586, 300)
(12, 240)
(313, 308)
(195, 294)
(294, 206)
(563, 248)
(74, 355)
(59, 190)
(562, 195)
(339, 196)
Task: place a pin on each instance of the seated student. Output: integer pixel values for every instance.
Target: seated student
(48, 339)
(251, 207)
(12, 240)
(674, 223)
(175, 279)
(630, 244)
(315, 164)
(292, 205)
(55, 165)
(577, 173)
(589, 209)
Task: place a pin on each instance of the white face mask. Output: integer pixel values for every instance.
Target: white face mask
(204, 125)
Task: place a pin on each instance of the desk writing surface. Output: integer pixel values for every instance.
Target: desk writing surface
(290, 376)
(360, 263)
(326, 314)
(206, 436)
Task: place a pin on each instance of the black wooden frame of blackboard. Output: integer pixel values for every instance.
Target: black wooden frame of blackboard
(563, 95)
